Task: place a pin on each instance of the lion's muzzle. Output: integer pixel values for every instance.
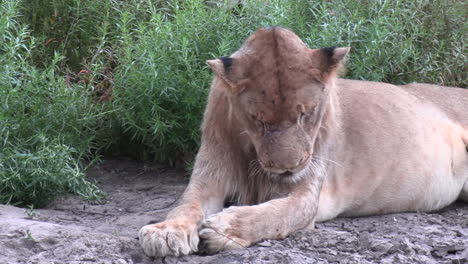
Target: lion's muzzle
(284, 151)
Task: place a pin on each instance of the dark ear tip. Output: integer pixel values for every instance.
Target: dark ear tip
(329, 51)
(335, 54)
(227, 62)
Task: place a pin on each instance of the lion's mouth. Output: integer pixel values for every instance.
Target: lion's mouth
(286, 174)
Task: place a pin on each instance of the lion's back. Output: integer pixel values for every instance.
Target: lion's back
(400, 102)
(452, 100)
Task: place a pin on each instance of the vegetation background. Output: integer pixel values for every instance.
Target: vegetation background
(80, 78)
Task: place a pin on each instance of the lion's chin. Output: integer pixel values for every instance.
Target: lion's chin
(287, 177)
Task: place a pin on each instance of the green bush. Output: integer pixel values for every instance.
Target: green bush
(143, 80)
(395, 41)
(35, 176)
(46, 127)
(80, 30)
(162, 81)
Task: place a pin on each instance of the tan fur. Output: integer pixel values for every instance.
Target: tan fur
(291, 144)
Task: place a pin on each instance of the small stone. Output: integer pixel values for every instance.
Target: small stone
(364, 241)
(265, 243)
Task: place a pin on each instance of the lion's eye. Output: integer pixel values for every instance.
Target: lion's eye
(306, 114)
(301, 118)
(258, 123)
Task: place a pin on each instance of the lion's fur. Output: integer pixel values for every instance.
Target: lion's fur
(291, 143)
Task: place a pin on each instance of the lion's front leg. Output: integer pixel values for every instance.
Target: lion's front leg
(242, 226)
(178, 235)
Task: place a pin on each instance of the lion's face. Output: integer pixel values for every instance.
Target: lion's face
(281, 123)
(279, 92)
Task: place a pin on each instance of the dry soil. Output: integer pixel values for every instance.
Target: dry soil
(71, 230)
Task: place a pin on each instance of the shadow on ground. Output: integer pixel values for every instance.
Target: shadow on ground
(74, 231)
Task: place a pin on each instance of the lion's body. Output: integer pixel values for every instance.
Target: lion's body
(399, 149)
(291, 144)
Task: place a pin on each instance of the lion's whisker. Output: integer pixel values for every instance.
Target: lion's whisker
(330, 160)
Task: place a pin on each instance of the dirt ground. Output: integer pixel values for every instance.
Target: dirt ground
(74, 231)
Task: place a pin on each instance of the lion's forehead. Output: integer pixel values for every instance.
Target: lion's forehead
(274, 65)
(275, 42)
(274, 55)
(278, 106)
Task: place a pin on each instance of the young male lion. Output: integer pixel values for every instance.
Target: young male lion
(292, 144)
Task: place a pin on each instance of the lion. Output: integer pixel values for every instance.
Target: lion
(288, 143)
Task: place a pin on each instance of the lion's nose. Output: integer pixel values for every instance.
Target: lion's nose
(285, 165)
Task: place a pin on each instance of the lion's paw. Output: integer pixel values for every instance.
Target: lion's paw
(172, 237)
(223, 231)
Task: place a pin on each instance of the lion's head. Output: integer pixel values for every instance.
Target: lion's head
(279, 91)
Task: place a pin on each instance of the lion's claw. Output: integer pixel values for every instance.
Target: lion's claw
(174, 238)
(222, 232)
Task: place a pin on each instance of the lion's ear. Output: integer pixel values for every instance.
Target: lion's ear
(329, 61)
(225, 69)
(222, 67)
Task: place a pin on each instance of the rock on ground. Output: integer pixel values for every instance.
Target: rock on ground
(74, 231)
